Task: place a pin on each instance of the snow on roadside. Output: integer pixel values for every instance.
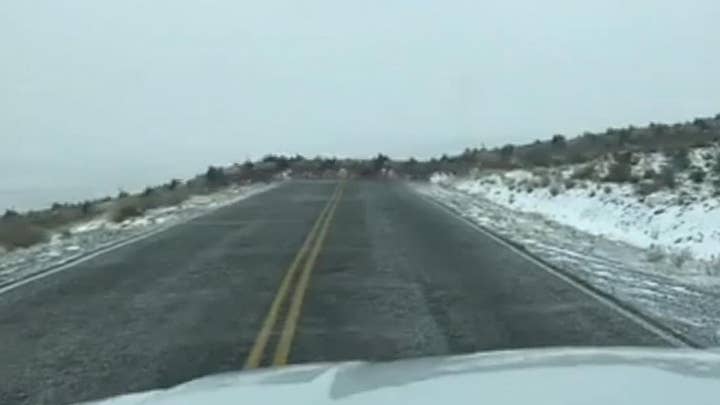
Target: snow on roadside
(619, 214)
(88, 237)
(688, 304)
(659, 253)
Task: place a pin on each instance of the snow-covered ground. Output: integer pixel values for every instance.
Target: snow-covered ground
(659, 253)
(88, 237)
(683, 221)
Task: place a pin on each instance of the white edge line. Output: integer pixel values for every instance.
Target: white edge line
(82, 259)
(118, 244)
(628, 314)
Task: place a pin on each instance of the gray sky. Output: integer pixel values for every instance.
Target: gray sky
(97, 95)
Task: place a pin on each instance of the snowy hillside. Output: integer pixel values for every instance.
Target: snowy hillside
(679, 222)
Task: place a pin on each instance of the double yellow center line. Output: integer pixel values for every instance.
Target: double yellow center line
(307, 255)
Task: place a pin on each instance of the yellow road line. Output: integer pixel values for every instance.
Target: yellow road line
(282, 351)
(261, 341)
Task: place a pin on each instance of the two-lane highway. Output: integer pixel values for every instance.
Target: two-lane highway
(308, 271)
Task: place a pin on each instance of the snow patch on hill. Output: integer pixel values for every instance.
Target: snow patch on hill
(680, 222)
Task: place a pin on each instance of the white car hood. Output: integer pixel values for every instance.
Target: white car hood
(547, 376)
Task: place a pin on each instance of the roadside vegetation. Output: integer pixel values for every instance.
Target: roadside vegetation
(674, 141)
(678, 158)
(24, 229)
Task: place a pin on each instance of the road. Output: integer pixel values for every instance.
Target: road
(378, 273)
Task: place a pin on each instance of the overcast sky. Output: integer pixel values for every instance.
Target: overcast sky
(97, 95)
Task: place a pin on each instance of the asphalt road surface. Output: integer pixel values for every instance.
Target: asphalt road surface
(306, 272)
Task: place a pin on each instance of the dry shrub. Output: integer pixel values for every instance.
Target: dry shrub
(126, 210)
(680, 159)
(712, 267)
(698, 175)
(667, 177)
(655, 253)
(18, 233)
(584, 172)
(620, 172)
(544, 180)
(163, 198)
(680, 258)
(58, 217)
(647, 187)
(136, 205)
